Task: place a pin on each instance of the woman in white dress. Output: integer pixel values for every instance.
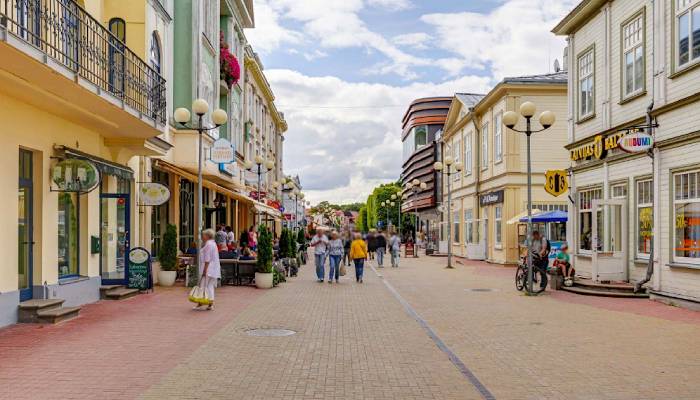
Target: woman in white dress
(209, 266)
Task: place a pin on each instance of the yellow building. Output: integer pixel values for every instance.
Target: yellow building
(73, 90)
(492, 188)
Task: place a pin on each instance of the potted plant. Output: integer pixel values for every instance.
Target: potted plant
(301, 240)
(263, 267)
(167, 256)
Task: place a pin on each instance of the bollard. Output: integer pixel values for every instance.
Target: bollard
(556, 280)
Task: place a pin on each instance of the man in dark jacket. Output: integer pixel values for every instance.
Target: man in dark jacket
(371, 244)
(381, 248)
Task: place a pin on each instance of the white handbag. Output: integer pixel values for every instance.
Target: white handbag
(199, 295)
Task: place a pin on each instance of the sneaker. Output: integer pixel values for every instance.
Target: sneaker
(329, 282)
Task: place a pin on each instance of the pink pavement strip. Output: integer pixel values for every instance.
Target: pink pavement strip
(115, 349)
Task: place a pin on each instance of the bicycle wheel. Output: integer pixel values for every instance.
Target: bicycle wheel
(520, 278)
(537, 279)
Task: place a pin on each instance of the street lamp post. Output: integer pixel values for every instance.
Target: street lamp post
(183, 116)
(394, 197)
(448, 167)
(257, 167)
(510, 119)
(416, 186)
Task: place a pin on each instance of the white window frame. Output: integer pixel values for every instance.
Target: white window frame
(618, 191)
(455, 229)
(644, 198)
(456, 151)
(468, 161)
(691, 9)
(586, 73)
(633, 38)
(692, 196)
(498, 226)
(468, 226)
(209, 12)
(498, 139)
(585, 200)
(485, 146)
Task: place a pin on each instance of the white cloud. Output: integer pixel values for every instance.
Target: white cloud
(391, 4)
(513, 39)
(416, 40)
(344, 137)
(271, 34)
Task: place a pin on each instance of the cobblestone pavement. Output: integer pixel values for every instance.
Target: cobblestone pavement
(417, 332)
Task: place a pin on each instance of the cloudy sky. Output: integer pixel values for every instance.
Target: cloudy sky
(344, 72)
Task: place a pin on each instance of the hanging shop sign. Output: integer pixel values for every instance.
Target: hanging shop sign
(491, 198)
(153, 194)
(228, 169)
(638, 142)
(596, 148)
(139, 275)
(75, 175)
(274, 204)
(257, 196)
(222, 152)
(556, 182)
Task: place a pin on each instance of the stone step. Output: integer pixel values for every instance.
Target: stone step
(121, 293)
(106, 288)
(605, 292)
(57, 315)
(27, 310)
(615, 287)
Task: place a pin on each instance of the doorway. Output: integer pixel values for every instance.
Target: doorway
(25, 226)
(115, 238)
(610, 251)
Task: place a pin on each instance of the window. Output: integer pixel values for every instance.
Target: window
(456, 150)
(633, 55)
(420, 134)
(485, 146)
(468, 226)
(686, 208)
(585, 199)
(618, 191)
(210, 24)
(688, 31)
(455, 238)
(497, 224)
(155, 52)
(187, 219)
(159, 216)
(117, 27)
(68, 234)
(585, 84)
(498, 139)
(550, 207)
(468, 155)
(645, 216)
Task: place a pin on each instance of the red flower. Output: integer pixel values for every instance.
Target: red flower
(230, 70)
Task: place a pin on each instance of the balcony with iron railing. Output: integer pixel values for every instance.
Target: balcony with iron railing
(85, 51)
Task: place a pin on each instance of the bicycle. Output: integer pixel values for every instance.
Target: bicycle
(521, 277)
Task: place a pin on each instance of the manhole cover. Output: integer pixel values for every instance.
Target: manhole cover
(479, 290)
(270, 332)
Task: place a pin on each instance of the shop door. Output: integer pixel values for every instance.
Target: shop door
(25, 228)
(115, 238)
(610, 250)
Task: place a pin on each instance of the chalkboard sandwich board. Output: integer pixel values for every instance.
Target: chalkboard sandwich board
(139, 275)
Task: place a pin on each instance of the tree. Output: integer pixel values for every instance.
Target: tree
(377, 213)
(264, 260)
(361, 222)
(167, 256)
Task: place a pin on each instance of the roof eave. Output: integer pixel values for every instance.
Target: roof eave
(577, 17)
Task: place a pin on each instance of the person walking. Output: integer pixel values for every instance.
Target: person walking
(395, 249)
(380, 243)
(335, 254)
(358, 254)
(371, 243)
(209, 267)
(320, 244)
(347, 240)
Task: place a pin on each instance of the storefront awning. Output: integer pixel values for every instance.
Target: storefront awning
(104, 166)
(549, 216)
(265, 209)
(167, 167)
(517, 218)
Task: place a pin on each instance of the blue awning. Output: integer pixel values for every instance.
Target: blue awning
(548, 216)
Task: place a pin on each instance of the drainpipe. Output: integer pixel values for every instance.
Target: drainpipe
(477, 171)
(650, 264)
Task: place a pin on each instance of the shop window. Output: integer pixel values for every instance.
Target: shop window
(159, 214)
(645, 216)
(455, 237)
(633, 55)
(688, 31)
(468, 226)
(686, 208)
(68, 234)
(187, 218)
(485, 146)
(498, 224)
(585, 83)
(586, 215)
(498, 139)
(468, 161)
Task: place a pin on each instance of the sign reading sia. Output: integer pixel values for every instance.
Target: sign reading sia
(154, 194)
(75, 175)
(222, 152)
(638, 142)
(556, 182)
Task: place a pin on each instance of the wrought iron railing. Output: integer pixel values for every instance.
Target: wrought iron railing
(68, 34)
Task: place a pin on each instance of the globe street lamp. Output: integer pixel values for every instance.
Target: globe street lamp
(260, 166)
(394, 197)
(183, 118)
(510, 119)
(448, 167)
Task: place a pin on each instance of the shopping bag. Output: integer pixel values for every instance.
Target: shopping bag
(342, 271)
(199, 295)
